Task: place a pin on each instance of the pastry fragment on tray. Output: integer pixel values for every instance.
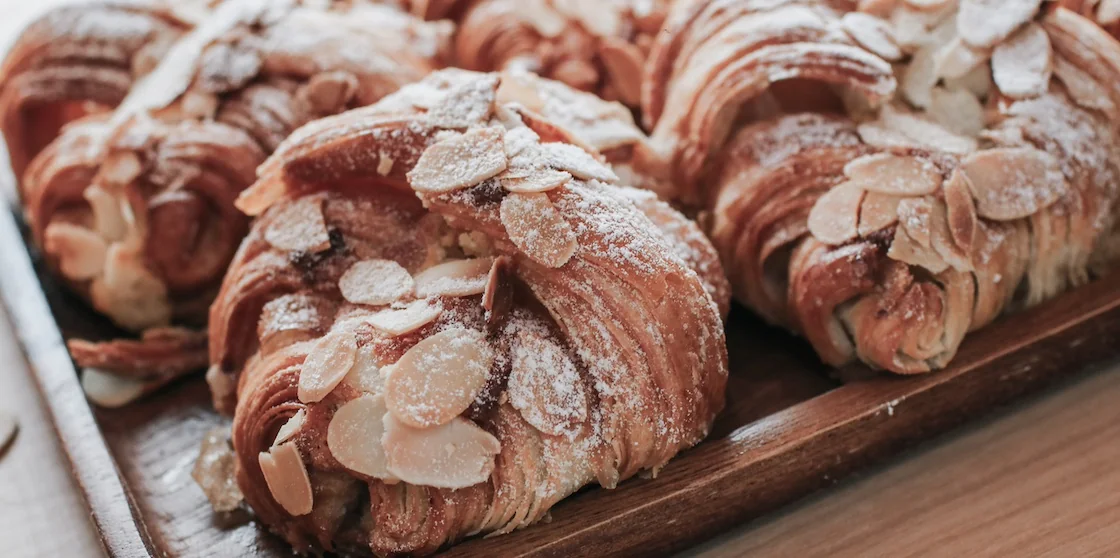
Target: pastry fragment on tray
(479, 320)
(597, 46)
(885, 182)
(133, 205)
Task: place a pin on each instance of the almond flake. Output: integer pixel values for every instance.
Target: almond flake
(928, 5)
(538, 180)
(299, 227)
(375, 282)
(1021, 65)
(872, 33)
(575, 160)
(908, 251)
(960, 211)
(454, 455)
(80, 251)
(955, 59)
(354, 436)
(958, 110)
(108, 390)
(545, 386)
(326, 365)
(877, 212)
(466, 104)
(286, 476)
(290, 428)
(623, 62)
(919, 77)
(8, 427)
(898, 175)
(834, 218)
(517, 87)
(384, 163)
(540, 15)
(329, 92)
(438, 378)
(460, 161)
(399, 321)
(1108, 12)
(924, 132)
(128, 292)
(119, 169)
(107, 218)
(1013, 182)
(537, 228)
(1084, 90)
(454, 278)
(985, 23)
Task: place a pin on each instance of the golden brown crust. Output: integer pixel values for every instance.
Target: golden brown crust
(602, 348)
(885, 231)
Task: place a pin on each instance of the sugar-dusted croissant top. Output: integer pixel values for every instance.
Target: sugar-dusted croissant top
(449, 315)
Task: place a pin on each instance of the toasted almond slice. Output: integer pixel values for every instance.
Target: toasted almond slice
(914, 216)
(1084, 90)
(960, 211)
(466, 104)
(375, 282)
(108, 390)
(925, 132)
(545, 386)
(958, 110)
(1022, 65)
(537, 228)
(1013, 182)
(326, 365)
(329, 92)
(354, 436)
(439, 377)
(517, 87)
(623, 62)
(454, 455)
(877, 212)
(575, 160)
(872, 33)
(290, 428)
(8, 427)
(834, 219)
(541, 16)
(977, 81)
(906, 250)
(898, 175)
(985, 23)
(128, 292)
(80, 251)
(957, 58)
(538, 180)
(107, 218)
(365, 375)
(299, 227)
(1108, 12)
(454, 278)
(460, 161)
(876, 134)
(119, 169)
(399, 321)
(928, 5)
(919, 77)
(286, 476)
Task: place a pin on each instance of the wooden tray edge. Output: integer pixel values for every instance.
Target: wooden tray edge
(91, 464)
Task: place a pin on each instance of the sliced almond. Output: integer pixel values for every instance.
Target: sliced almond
(977, 81)
(413, 316)
(128, 292)
(960, 211)
(1022, 65)
(1013, 182)
(119, 169)
(299, 227)
(540, 15)
(454, 455)
(1108, 12)
(536, 227)
(80, 251)
(538, 180)
(957, 58)
(985, 23)
(898, 175)
(545, 385)
(623, 62)
(1084, 90)
(290, 428)
(958, 110)
(877, 212)
(914, 218)
(354, 436)
(365, 375)
(919, 77)
(924, 132)
(326, 365)
(929, 5)
(876, 134)
(580, 163)
(469, 103)
(439, 377)
(834, 219)
(872, 33)
(8, 427)
(518, 87)
(330, 92)
(908, 251)
(286, 476)
(108, 390)
(375, 282)
(107, 218)
(454, 278)
(460, 161)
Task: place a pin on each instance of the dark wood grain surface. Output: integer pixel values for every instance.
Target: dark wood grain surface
(788, 430)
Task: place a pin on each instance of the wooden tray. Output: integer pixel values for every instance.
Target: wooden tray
(789, 428)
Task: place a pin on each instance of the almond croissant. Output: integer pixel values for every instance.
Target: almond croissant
(596, 46)
(477, 322)
(885, 211)
(134, 207)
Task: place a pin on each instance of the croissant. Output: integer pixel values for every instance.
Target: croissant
(134, 207)
(592, 46)
(478, 322)
(885, 184)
